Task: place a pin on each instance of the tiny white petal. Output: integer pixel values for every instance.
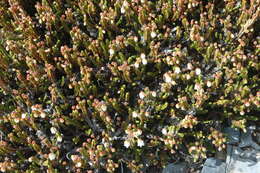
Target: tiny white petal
(127, 144)
(197, 87)
(143, 56)
(136, 65)
(141, 95)
(52, 156)
(30, 159)
(144, 61)
(16, 120)
(125, 4)
(164, 131)
(59, 139)
(122, 9)
(198, 71)
(79, 164)
(188, 77)
(135, 114)
(147, 114)
(173, 83)
(140, 143)
(106, 144)
(23, 115)
(73, 157)
(104, 108)
(43, 115)
(167, 78)
(53, 130)
(111, 52)
(177, 70)
(189, 66)
(209, 84)
(153, 34)
(154, 94)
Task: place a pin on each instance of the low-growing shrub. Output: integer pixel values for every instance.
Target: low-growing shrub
(92, 85)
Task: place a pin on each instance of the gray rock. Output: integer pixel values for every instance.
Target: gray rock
(176, 168)
(213, 165)
(257, 137)
(221, 155)
(239, 161)
(247, 141)
(233, 135)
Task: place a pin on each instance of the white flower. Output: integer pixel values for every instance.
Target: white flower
(79, 164)
(153, 34)
(106, 144)
(167, 78)
(147, 114)
(36, 115)
(34, 109)
(30, 159)
(136, 39)
(141, 95)
(73, 157)
(143, 56)
(209, 84)
(59, 139)
(111, 52)
(154, 94)
(125, 4)
(197, 87)
(52, 156)
(173, 83)
(177, 70)
(122, 9)
(188, 77)
(53, 130)
(164, 131)
(23, 115)
(198, 71)
(43, 115)
(103, 107)
(136, 65)
(127, 144)
(189, 66)
(140, 142)
(16, 120)
(135, 114)
(144, 61)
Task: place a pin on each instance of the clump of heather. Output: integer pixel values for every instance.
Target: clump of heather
(90, 85)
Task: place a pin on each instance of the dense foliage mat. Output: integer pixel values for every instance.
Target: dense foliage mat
(89, 85)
